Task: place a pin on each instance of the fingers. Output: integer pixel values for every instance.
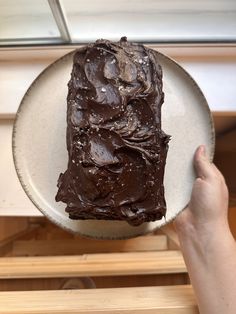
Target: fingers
(201, 163)
(204, 168)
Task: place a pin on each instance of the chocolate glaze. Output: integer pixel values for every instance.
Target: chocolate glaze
(117, 150)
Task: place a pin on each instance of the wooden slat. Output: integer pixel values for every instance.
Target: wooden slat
(50, 231)
(10, 227)
(232, 220)
(143, 300)
(114, 264)
(82, 246)
(173, 240)
(7, 244)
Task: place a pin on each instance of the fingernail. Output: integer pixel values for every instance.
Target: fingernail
(203, 150)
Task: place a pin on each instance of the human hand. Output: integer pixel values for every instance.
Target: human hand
(208, 247)
(209, 200)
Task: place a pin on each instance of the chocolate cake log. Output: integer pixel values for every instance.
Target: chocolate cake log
(117, 150)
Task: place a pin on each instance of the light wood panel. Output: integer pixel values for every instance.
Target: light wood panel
(107, 264)
(11, 226)
(10, 229)
(232, 220)
(82, 246)
(7, 244)
(173, 240)
(53, 232)
(224, 121)
(158, 300)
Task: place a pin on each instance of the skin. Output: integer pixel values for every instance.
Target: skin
(208, 246)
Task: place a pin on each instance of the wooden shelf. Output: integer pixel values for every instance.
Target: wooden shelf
(86, 246)
(139, 300)
(107, 264)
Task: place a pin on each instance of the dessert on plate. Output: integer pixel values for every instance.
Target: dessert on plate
(116, 147)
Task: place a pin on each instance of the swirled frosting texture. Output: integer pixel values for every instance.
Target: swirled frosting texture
(117, 150)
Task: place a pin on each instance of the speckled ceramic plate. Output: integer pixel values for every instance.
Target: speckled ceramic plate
(39, 145)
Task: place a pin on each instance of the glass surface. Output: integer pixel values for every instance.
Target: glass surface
(147, 21)
(152, 20)
(26, 19)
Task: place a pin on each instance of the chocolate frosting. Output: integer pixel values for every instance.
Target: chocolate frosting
(117, 150)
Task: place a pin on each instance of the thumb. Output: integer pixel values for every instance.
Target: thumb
(202, 164)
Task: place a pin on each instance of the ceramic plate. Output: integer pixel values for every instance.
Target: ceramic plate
(40, 155)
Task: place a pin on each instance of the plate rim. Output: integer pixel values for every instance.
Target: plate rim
(24, 185)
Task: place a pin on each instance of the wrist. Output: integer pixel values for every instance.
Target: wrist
(189, 227)
(205, 237)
